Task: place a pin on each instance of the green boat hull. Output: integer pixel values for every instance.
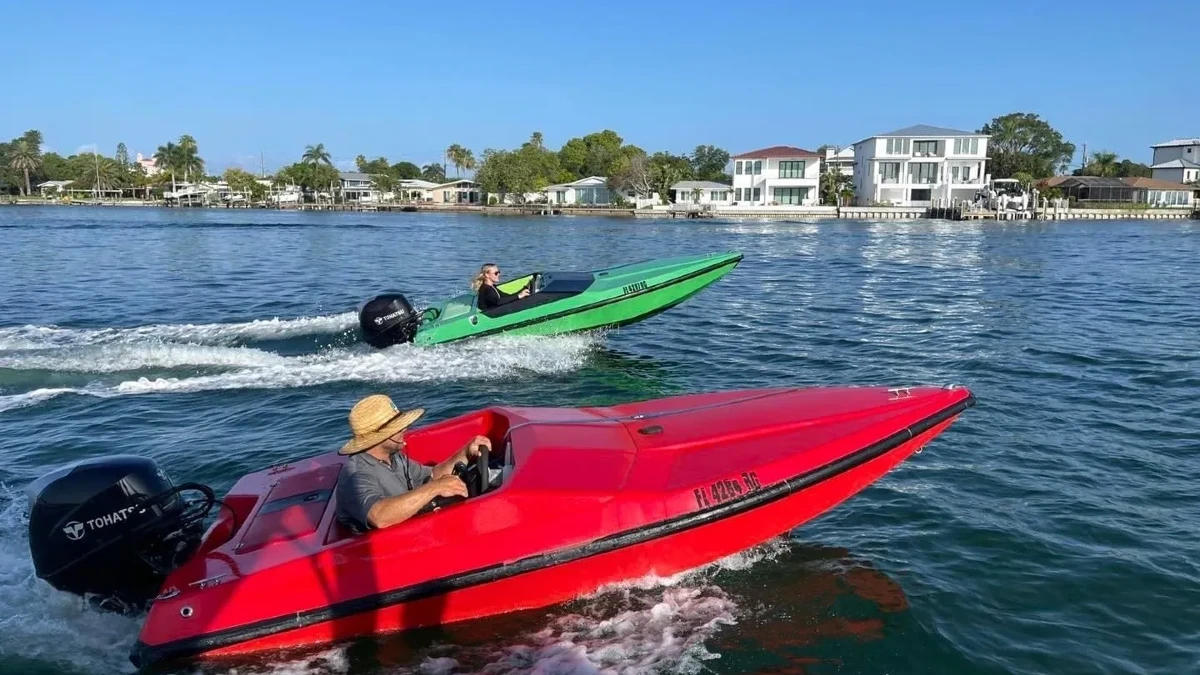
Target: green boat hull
(572, 302)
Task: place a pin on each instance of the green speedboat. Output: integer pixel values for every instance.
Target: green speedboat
(559, 302)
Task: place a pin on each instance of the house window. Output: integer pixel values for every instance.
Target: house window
(757, 194)
(921, 195)
(757, 166)
(923, 172)
(793, 195)
(897, 146)
(954, 173)
(737, 194)
(737, 168)
(966, 146)
(889, 172)
(925, 148)
(791, 169)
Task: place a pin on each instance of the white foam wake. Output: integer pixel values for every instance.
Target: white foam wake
(255, 369)
(44, 337)
(40, 623)
(122, 357)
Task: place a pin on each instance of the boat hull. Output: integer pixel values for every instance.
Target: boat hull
(727, 516)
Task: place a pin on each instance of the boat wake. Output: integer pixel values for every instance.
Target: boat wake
(42, 337)
(39, 363)
(39, 625)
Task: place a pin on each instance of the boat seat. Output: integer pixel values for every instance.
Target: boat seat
(342, 527)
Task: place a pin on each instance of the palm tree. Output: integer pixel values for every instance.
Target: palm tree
(1104, 164)
(433, 173)
(455, 154)
(189, 158)
(468, 159)
(167, 158)
(25, 157)
(316, 154)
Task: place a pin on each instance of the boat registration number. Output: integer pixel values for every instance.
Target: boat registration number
(726, 489)
(634, 288)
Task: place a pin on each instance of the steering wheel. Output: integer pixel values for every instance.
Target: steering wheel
(475, 477)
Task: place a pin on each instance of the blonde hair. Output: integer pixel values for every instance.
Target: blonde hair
(477, 282)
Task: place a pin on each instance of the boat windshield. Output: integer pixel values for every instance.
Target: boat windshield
(457, 306)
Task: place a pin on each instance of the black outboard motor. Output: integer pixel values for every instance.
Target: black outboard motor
(111, 529)
(388, 320)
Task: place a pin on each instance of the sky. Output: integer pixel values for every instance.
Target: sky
(260, 81)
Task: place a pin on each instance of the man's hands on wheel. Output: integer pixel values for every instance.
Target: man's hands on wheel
(472, 449)
(449, 486)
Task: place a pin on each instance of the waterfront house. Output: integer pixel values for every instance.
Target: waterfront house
(414, 189)
(840, 159)
(462, 191)
(777, 175)
(1177, 161)
(358, 187)
(590, 191)
(149, 164)
(916, 165)
(702, 192)
(53, 187)
(1089, 190)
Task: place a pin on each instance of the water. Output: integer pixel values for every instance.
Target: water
(1052, 529)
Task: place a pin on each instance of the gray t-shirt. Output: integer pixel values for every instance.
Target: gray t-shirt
(365, 480)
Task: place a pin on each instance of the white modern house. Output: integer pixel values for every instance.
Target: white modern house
(1177, 161)
(777, 175)
(917, 165)
(702, 192)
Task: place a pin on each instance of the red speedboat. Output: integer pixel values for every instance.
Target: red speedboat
(583, 497)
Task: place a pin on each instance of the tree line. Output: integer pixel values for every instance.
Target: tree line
(533, 167)
(1022, 145)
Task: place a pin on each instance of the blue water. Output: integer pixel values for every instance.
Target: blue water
(1052, 529)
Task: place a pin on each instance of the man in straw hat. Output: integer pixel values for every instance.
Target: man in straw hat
(380, 485)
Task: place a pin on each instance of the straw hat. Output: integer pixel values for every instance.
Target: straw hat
(375, 419)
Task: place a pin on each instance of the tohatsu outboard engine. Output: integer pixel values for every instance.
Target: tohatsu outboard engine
(388, 320)
(111, 529)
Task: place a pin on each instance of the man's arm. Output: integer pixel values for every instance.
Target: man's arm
(464, 454)
(391, 510)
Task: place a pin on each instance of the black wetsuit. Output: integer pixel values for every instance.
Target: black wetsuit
(490, 296)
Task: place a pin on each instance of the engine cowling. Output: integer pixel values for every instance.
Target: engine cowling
(112, 528)
(388, 319)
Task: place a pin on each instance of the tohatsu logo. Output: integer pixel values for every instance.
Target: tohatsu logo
(75, 530)
(387, 317)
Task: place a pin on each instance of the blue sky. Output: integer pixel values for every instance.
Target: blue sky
(405, 80)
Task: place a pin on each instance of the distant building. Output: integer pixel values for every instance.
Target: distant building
(1177, 161)
(592, 191)
(779, 174)
(149, 164)
(916, 165)
(709, 192)
(1083, 190)
(461, 191)
(842, 160)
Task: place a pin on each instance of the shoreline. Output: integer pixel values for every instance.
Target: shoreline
(757, 213)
